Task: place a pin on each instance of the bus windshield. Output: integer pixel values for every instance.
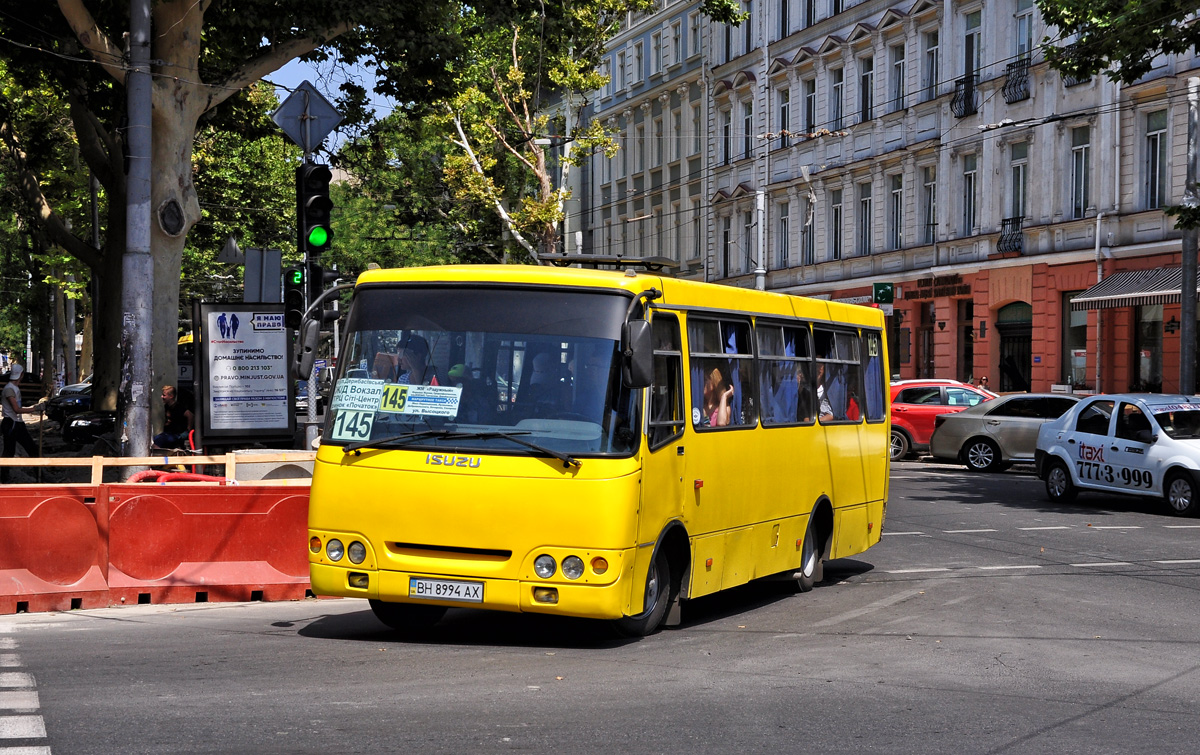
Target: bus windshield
(479, 369)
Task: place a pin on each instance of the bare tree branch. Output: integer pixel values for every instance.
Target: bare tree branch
(93, 38)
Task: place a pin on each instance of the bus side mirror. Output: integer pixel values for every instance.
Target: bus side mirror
(639, 354)
(306, 348)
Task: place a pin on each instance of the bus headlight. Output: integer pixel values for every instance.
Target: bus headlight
(334, 549)
(357, 552)
(544, 566)
(572, 567)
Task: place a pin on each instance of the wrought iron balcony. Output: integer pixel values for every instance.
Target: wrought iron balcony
(1016, 81)
(963, 102)
(1011, 237)
(1074, 81)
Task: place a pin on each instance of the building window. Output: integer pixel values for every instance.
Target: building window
(676, 136)
(656, 53)
(726, 246)
(865, 215)
(747, 29)
(836, 81)
(807, 238)
(1024, 29)
(676, 49)
(866, 88)
(748, 261)
(693, 34)
(970, 173)
(696, 132)
(1019, 158)
(728, 43)
(1081, 170)
(1074, 343)
(785, 21)
(931, 65)
(622, 81)
(896, 75)
(697, 235)
(1148, 349)
(726, 137)
(810, 105)
(929, 204)
(657, 158)
(835, 224)
(676, 245)
(896, 212)
(606, 72)
(782, 238)
(639, 66)
(785, 119)
(810, 12)
(639, 149)
(748, 129)
(835, 7)
(972, 41)
(1156, 159)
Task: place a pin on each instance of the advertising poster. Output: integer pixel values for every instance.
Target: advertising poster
(246, 363)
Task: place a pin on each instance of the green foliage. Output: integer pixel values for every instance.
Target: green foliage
(1117, 37)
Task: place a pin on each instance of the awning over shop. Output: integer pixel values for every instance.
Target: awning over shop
(1134, 288)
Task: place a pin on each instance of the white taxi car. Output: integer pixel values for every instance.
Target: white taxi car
(1143, 444)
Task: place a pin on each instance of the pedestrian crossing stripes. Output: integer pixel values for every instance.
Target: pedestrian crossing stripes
(20, 719)
(1017, 567)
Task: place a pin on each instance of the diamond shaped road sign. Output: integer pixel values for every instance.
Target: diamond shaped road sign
(307, 117)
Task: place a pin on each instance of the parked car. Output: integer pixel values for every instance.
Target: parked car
(916, 404)
(1144, 444)
(85, 427)
(67, 403)
(992, 435)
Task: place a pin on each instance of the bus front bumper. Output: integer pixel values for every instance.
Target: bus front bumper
(590, 601)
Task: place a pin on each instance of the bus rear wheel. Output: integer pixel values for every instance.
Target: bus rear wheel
(812, 566)
(407, 617)
(655, 603)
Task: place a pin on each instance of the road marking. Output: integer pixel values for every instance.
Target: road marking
(963, 532)
(904, 533)
(1103, 563)
(22, 727)
(890, 601)
(1182, 526)
(917, 571)
(1180, 561)
(1055, 527)
(1014, 566)
(11, 700)
(10, 660)
(15, 679)
(24, 750)
(1115, 527)
(8, 643)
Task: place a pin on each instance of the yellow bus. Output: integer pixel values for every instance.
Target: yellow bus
(590, 443)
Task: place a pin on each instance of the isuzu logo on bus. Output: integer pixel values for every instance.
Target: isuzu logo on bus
(451, 460)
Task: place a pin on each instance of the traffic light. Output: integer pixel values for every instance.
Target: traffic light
(318, 279)
(313, 207)
(293, 296)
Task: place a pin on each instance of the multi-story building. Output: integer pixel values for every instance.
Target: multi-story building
(823, 146)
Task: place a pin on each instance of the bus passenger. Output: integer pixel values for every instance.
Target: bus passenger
(825, 413)
(716, 411)
(413, 366)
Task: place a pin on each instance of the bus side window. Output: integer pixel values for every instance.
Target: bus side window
(722, 373)
(873, 376)
(666, 393)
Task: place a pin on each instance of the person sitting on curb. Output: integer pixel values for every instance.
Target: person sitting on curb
(177, 420)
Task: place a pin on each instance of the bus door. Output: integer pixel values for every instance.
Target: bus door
(839, 390)
(663, 484)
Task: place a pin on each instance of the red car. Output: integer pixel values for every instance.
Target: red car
(915, 405)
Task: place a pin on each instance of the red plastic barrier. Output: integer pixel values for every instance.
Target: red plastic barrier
(54, 556)
(113, 544)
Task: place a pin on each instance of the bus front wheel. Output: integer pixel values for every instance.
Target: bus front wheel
(406, 617)
(657, 599)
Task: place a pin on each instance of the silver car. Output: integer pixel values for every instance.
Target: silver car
(990, 436)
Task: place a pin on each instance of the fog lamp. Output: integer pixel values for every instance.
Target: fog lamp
(572, 567)
(544, 566)
(335, 550)
(545, 594)
(359, 580)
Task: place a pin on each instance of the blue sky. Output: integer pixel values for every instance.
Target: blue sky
(326, 77)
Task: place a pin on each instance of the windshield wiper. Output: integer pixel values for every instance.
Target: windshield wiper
(397, 438)
(567, 460)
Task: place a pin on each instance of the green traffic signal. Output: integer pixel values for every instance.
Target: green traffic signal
(318, 236)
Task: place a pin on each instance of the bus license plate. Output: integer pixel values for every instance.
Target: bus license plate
(445, 589)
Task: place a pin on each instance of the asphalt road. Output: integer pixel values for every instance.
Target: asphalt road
(987, 621)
